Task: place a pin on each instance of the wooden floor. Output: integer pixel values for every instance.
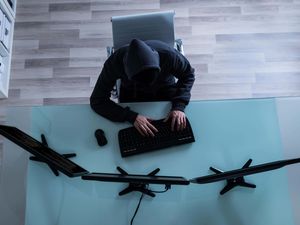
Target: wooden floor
(239, 48)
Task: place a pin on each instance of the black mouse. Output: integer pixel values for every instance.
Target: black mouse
(101, 139)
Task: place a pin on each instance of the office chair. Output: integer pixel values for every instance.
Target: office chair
(147, 26)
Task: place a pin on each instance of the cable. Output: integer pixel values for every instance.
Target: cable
(167, 187)
(137, 208)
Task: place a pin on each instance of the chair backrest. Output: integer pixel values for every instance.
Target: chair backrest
(148, 26)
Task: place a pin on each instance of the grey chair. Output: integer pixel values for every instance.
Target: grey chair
(147, 26)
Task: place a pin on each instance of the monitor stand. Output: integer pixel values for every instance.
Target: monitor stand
(239, 181)
(37, 159)
(141, 187)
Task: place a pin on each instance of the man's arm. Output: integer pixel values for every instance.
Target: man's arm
(100, 98)
(182, 69)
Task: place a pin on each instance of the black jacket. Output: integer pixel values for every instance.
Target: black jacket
(129, 60)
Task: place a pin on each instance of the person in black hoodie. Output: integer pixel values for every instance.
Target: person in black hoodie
(147, 70)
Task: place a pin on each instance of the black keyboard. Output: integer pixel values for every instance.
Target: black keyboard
(132, 142)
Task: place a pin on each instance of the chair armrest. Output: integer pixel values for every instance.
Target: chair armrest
(116, 89)
(179, 46)
(109, 51)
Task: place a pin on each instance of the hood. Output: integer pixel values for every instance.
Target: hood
(140, 57)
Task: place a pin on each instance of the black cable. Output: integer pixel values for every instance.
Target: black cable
(166, 189)
(160, 191)
(137, 208)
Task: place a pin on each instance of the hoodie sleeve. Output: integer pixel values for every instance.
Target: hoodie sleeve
(183, 71)
(100, 99)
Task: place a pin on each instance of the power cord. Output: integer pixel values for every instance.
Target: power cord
(167, 187)
(137, 208)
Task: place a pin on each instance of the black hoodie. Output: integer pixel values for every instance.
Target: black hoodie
(140, 57)
(128, 62)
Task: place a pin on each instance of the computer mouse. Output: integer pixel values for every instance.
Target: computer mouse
(101, 139)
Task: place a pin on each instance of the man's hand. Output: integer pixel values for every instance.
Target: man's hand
(144, 127)
(178, 119)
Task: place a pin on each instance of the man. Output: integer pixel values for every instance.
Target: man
(147, 70)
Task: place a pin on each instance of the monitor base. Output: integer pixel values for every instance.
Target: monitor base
(37, 159)
(234, 182)
(140, 187)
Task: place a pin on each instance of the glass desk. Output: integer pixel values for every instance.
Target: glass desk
(227, 134)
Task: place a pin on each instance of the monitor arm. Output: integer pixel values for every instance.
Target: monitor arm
(140, 187)
(233, 182)
(37, 159)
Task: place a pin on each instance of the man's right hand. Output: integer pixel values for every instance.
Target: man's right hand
(144, 127)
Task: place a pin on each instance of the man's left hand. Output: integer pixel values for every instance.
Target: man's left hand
(178, 119)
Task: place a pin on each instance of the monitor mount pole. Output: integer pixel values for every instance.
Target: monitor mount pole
(141, 187)
(37, 159)
(232, 183)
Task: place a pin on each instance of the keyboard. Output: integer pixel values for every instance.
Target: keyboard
(131, 142)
